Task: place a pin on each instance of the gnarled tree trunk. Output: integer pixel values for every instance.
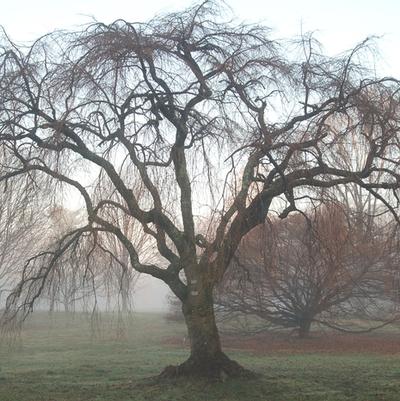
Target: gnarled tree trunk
(206, 358)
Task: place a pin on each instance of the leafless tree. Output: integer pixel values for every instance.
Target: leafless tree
(91, 268)
(68, 281)
(209, 116)
(315, 268)
(119, 277)
(20, 228)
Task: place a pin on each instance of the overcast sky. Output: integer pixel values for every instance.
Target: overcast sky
(338, 24)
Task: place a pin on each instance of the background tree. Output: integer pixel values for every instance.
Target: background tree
(315, 268)
(93, 270)
(120, 278)
(206, 114)
(66, 279)
(21, 227)
(174, 313)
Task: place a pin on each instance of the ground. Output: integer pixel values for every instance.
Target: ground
(71, 359)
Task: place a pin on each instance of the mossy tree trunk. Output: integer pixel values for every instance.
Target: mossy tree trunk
(206, 358)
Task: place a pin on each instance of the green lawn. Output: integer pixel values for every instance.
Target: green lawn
(63, 359)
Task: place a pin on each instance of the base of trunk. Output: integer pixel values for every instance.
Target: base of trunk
(304, 332)
(217, 368)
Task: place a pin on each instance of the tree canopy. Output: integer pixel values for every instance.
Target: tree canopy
(214, 118)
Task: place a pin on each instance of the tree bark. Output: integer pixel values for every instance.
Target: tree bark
(206, 358)
(202, 329)
(304, 328)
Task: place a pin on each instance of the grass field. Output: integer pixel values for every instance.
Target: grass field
(62, 358)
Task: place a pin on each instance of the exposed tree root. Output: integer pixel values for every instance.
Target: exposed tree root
(216, 368)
